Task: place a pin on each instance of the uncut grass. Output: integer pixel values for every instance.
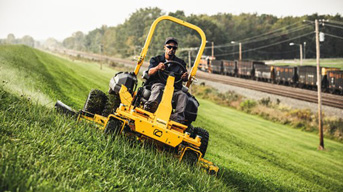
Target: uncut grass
(42, 150)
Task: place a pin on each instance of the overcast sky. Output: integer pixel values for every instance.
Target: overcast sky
(42, 19)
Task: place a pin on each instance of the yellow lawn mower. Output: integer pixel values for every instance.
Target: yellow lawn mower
(122, 112)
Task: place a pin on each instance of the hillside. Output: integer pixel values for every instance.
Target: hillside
(41, 150)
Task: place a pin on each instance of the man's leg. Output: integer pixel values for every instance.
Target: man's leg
(181, 99)
(155, 97)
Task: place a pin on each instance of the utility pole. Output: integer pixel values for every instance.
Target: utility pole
(189, 59)
(101, 50)
(240, 51)
(305, 50)
(321, 139)
(212, 49)
(301, 53)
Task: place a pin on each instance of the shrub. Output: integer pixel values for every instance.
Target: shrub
(303, 114)
(247, 105)
(265, 101)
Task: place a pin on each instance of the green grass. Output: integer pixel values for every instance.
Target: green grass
(338, 63)
(40, 75)
(41, 150)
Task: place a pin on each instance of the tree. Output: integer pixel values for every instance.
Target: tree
(10, 39)
(27, 40)
(252, 30)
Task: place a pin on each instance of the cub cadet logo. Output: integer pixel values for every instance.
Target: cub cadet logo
(158, 133)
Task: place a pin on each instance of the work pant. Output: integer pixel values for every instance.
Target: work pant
(179, 97)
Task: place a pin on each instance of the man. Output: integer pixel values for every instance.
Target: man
(156, 64)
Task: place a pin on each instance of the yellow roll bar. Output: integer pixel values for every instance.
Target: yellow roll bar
(178, 21)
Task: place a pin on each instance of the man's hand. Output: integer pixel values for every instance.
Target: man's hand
(161, 66)
(154, 70)
(184, 76)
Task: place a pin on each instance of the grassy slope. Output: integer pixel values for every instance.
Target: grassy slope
(261, 154)
(37, 74)
(323, 62)
(54, 152)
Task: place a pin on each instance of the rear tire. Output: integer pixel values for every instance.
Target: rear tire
(111, 105)
(113, 127)
(190, 157)
(95, 102)
(204, 139)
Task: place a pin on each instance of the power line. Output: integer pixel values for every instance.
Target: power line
(264, 34)
(333, 26)
(330, 35)
(265, 46)
(292, 31)
(333, 21)
(269, 32)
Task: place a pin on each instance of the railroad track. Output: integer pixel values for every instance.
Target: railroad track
(295, 93)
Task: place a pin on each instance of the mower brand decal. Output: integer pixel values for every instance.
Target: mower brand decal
(158, 133)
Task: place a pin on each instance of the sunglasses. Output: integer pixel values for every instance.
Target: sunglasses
(170, 47)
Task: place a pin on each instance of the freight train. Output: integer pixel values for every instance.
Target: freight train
(296, 76)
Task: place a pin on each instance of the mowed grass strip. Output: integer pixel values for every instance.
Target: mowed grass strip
(41, 75)
(258, 154)
(41, 150)
(324, 62)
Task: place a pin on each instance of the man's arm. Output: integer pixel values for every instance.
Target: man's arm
(184, 76)
(153, 70)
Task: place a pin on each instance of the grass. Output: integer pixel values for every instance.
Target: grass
(338, 63)
(39, 75)
(302, 119)
(260, 154)
(41, 150)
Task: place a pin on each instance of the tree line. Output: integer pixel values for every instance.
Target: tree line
(26, 40)
(263, 37)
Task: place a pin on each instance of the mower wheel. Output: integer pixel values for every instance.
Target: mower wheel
(113, 127)
(204, 139)
(190, 157)
(190, 129)
(111, 105)
(95, 102)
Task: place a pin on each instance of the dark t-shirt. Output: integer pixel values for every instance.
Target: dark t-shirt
(154, 61)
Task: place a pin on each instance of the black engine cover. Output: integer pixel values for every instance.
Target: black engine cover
(191, 111)
(128, 79)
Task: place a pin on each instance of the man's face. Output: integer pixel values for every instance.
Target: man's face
(170, 48)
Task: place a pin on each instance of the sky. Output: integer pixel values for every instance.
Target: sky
(59, 19)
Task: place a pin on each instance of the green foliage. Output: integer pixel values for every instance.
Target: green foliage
(246, 105)
(303, 114)
(265, 101)
(127, 39)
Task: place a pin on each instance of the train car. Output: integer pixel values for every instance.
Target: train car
(286, 75)
(325, 79)
(230, 67)
(204, 63)
(335, 81)
(246, 68)
(217, 66)
(264, 72)
(307, 76)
